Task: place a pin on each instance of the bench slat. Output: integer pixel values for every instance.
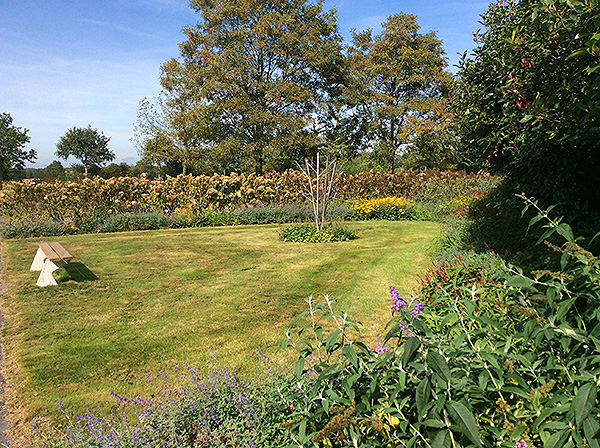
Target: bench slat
(60, 251)
(49, 252)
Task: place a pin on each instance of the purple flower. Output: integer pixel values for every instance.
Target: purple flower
(403, 326)
(523, 444)
(417, 310)
(397, 302)
(410, 335)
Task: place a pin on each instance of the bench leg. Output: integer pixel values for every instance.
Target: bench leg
(38, 261)
(45, 278)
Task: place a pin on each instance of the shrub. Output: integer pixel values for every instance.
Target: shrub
(135, 221)
(461, 277)
(483, 384)
(28, 198)
(307, 233)
(290, 213)
(26, 229)
(527, 103)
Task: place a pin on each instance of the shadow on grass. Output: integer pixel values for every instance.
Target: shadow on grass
(75, 272)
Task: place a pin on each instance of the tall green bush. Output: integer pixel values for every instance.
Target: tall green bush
(528, 100)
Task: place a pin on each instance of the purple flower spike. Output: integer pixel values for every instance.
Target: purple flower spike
(416, 312)
(397, 302)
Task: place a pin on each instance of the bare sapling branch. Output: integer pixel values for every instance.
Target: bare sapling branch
(319, 188)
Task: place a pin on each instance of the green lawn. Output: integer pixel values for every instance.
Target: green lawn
(181, 293)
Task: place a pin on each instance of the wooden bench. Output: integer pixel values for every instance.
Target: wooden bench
(48, 258)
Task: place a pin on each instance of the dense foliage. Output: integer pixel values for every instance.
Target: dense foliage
(487, 356)
(399, 87)
(250, 76)
(528, 101)
(521, 374)
(194, 410)
(307, 233)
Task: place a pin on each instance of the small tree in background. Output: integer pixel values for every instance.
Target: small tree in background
(87, 145)
(55, 170)
(166, 135)
(12, 154)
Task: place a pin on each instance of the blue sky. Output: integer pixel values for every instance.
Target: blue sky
(65, 63)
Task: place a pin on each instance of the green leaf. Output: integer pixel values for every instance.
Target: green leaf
(442, 439)
(350, 354)
(302, 429)
(347, 386)
(410, 346)
(516, 391)
(519, 281)
(299, 367)
(464, 420)
(423, 392)
(299, 316)
(439, 365)
(534, 220)
(557, 440)
(331, 340)
(563, 308)
(543, 417)
(565, 231)
(591, 429)
(431, 423)
(584, 402)
(526, 118)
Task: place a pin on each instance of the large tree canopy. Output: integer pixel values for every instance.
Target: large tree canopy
(251, 77)
(87, 145)
(400, 85)
(529, 98)
(12, 154)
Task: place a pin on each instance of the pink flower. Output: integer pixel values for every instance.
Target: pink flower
(381, 350)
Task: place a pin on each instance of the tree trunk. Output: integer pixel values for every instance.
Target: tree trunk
(391, 156)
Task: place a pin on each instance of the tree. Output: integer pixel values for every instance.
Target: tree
(87, 145)
(251, 76)
(164, 134)
(116, 170)
(55, 170)
(400, 86)
(435, 149)
(12, 154)
(528, 102)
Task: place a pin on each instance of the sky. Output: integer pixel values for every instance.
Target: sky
(67, 63)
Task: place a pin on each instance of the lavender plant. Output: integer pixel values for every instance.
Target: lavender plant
(219, 409)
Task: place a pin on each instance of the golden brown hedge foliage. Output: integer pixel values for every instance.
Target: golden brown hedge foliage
(30, 199)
